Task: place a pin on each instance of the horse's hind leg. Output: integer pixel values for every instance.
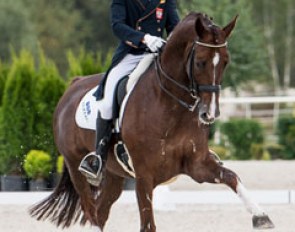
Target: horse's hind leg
(111, 189)
(212, 172)
(83, 189)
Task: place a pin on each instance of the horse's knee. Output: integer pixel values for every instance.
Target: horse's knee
(228, 177)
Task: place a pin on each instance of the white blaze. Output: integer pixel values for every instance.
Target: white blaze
(215, 62)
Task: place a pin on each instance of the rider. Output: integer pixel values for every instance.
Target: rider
(139, 24)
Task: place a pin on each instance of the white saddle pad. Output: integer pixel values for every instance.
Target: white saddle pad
(86, 112)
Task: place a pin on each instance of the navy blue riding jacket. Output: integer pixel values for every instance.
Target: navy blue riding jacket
(132, 19)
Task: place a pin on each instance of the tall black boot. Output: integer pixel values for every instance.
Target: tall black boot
(92, 164)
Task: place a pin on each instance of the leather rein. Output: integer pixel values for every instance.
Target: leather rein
(193, 87)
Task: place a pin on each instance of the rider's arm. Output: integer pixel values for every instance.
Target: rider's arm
(124, 32)
(172, 16)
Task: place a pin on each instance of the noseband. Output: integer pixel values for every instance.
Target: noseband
(194, 88)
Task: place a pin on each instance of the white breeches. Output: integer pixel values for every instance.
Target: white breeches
(124, 68)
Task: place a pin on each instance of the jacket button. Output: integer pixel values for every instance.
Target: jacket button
(139, 28)
(159, 29)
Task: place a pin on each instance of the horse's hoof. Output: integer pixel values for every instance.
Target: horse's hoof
(262, 222)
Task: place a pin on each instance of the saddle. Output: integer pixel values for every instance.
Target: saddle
(87, 111)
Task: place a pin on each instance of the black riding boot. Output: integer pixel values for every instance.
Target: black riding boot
(92, 164)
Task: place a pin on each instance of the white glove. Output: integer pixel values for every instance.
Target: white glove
(154, 43)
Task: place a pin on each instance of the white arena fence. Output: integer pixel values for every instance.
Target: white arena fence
(229, 106)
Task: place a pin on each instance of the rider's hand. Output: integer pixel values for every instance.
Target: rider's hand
(154, 43)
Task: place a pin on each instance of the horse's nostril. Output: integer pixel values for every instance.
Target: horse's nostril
(204, 115)
(206, 118)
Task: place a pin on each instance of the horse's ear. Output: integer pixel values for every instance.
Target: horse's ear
(229, 27)
(201, 29)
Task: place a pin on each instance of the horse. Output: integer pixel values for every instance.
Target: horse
(165, 127)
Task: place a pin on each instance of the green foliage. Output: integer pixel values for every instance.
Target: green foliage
(31, 90)
(276, 151)
(58, 27)
(17, 118)
(100, 36)
(49, 89)
(29, 99)
(88, 63)
(37, 164)
(241, 135)
(3, 76)
(60, 164)
(286, 134)
(16, 28)
(259, 152)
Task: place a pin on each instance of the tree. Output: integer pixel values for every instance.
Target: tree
(3, 76)
(16, 28)
(17, 118)
(49, 88)
(248, 59)
(100, 38)
(58, 27)
(277, 20)
(88, 63)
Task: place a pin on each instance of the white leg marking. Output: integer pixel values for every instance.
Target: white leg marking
(251, 206)
(215, 62)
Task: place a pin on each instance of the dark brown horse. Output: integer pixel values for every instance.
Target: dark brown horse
(165, 128)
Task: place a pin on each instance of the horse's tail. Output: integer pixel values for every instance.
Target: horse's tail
(62, 207)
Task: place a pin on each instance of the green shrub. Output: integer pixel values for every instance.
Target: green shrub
(286, 134)
(276, 151)
(241, 134)
(38, 164)
(87, 63)
(259, 152)
(4, 69)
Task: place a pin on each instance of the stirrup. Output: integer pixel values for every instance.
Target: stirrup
(87, 173)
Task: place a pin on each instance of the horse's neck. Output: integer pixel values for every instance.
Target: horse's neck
(172, 61)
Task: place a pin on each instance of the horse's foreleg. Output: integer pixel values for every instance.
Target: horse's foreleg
(212, 172)
(111, 189)
(144, 192)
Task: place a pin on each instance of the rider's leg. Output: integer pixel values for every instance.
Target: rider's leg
(93, 162)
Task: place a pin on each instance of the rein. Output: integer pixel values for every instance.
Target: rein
(193, 88)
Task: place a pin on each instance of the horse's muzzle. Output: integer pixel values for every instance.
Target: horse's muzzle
(205, 116)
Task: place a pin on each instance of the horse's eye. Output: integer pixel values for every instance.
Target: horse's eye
(201, 64)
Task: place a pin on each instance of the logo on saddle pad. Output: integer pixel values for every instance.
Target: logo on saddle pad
(86, 112)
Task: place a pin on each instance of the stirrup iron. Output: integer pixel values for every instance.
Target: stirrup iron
(87, 173)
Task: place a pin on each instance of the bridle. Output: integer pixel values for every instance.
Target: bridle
(194, 88)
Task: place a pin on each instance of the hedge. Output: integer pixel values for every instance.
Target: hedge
(286, 134)
(241, 135)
